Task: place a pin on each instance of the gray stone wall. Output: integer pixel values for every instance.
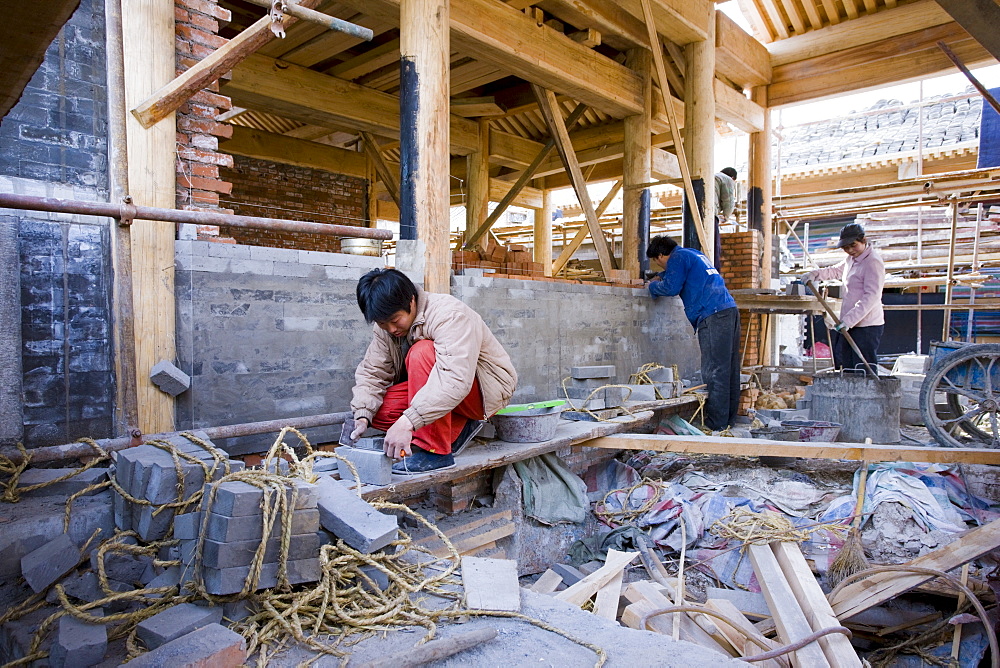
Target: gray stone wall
(267, 333)
(550, 327)
(53, 143)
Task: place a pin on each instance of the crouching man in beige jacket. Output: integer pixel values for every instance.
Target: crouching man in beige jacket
(432, 373)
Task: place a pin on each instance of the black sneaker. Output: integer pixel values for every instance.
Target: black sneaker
(469, 431)
(422, 461)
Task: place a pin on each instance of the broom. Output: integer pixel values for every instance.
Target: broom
(851, 559)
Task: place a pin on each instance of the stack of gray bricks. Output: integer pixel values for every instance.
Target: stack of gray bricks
(583, 382)
(148, 472)
(234, 531)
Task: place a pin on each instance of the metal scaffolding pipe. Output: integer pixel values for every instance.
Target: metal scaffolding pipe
(319, 18)
(127, 212)
(56, 453)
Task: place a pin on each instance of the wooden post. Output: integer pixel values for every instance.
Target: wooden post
(636, 170)
(425, 196)
(478, 185)
(371, 203)
(148, 45)
(543, 233)
(699, 127)
(759, 197)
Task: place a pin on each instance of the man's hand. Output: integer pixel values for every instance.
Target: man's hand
(360, 426)
(398, 438)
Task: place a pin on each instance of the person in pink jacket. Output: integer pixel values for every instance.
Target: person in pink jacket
(862, 275)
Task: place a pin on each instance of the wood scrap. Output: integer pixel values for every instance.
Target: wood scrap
(435, 650)
(491, 584)
(643, 598)
(583, 590)
(738, 636)
(547, 583)
(608, 597)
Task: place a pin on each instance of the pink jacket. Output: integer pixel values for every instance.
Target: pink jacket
(863, 279)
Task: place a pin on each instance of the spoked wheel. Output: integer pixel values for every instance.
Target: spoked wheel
(960, 397)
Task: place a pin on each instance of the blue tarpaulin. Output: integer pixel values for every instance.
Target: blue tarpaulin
(989, 134)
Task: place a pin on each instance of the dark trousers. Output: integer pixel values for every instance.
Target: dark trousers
(867, 339)
(719, 340)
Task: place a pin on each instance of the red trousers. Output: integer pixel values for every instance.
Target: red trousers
(437, 436)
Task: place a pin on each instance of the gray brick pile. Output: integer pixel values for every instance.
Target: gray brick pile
(583, 382)
(148, 472)
(234, 531)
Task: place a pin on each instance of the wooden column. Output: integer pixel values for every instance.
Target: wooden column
(424, 137)
(759, 197)
(699, 125)
(543, 233)
(638, 129)
(148, 45)
(478, 184)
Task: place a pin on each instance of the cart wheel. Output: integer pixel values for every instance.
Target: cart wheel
(960, 397)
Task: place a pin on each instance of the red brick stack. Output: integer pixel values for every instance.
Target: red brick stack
(513, 261)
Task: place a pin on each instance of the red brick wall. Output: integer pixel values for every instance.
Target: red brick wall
(199, 185)
(275, 190)
(741, 270)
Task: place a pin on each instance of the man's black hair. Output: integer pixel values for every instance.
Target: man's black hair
(730, 172)
(384, 292)
(660, 245)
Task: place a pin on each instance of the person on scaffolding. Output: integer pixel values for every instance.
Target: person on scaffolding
(862, 274)
(713, 314)
(432, 372)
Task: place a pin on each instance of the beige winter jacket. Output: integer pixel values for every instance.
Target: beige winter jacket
(465, 349)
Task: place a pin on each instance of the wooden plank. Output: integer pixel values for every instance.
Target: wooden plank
(491, 584)
(738, 56)
(644, 598)
(148, 44)
(557, 126)
(290, 151)
(473, 107)
(26, 35)
(474, 543)
(547, 583)
(980, 19)
(752, 447)
(737, 636)
(608, 596)
(736, 109)
(837, 648)
(880, 587)
(788, 616)
(298, 93)
(864, 30)
(582, 591)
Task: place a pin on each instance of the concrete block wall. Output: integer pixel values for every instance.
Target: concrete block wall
(57, 371)
(264, 188)
(266, 333)
(741, 269)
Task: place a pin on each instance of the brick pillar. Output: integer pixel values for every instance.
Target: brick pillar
(199, 185)
(741, 270)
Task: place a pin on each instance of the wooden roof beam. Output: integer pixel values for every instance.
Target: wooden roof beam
(980, 19)
(865, 30)
(290, 151)
(739, 56)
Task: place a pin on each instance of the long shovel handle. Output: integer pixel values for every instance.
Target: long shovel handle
(843, 332)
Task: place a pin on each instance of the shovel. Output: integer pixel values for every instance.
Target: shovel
(843, 332)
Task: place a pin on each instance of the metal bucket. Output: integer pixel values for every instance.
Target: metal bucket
(530, 426)
(354, 246)
(866, 406)
(814, 431)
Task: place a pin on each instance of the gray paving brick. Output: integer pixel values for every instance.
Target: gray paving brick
(231, 580)
(220, 555)
(78, 644)
(352, 519)
(187, 526)
(65, 488)
(238, 499)
(50, 562)
(176, 621)
(606, 371)
(232, 529)
(213, 645)
(169, 578)
(166, 376)
(373, 467)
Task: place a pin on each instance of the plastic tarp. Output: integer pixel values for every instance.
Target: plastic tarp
(552, 494)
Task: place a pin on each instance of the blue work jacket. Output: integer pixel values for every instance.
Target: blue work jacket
(689, 274)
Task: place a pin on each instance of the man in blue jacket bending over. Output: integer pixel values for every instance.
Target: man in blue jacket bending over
(713, 314)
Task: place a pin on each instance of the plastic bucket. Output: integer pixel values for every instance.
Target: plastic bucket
(813, 431)
(531, 426)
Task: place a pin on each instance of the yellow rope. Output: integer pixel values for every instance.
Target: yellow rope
(626, 515)
(750, 528)
(582, 408)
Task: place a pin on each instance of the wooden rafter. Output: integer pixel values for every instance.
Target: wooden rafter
(794, 16)
(775, 17)
(832, 13)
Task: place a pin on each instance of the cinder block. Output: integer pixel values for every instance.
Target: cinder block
(166, 376)
(226, 581)
(352, 519)
(373, 467)
(238, 499)
(50, 562)
(212, 646)
(77, 643)
(232, 529)
(86, 479)
(176, 621)
(606, 371)
(220, 555)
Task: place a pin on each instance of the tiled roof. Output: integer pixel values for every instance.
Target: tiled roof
(869, 132)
